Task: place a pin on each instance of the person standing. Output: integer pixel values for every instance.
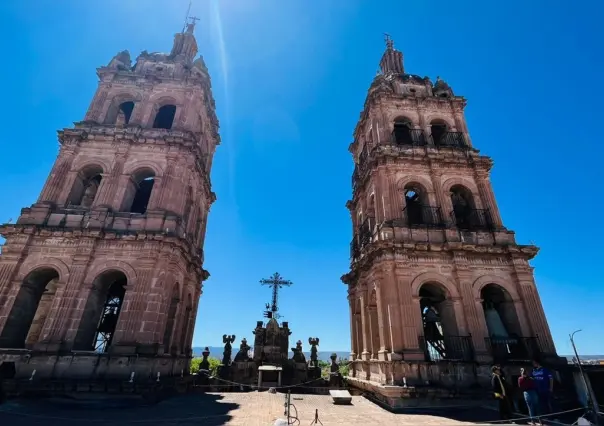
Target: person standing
(502, 392)
(544, 383)
(529, 391)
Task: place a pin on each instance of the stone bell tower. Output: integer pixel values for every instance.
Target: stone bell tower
(107, 264)
(434, 273)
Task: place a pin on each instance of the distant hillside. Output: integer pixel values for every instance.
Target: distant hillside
(216, 352)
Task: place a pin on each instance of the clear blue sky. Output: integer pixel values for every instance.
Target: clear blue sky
(290, 78)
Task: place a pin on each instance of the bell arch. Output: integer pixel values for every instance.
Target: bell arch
(27, 306)
(101, 312)
(138, 191)
(85, 186)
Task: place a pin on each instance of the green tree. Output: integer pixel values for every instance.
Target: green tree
(214, 363)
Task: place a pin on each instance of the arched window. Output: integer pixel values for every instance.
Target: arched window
(164, 117)
(169, 330)
(124, 113)
(402, 132)
(101, 312)
(85, 187)
(416, 205)
(438, 129)
(119, 113)
(138, 192)
(25, 308)
(440, 325)
(464, 211)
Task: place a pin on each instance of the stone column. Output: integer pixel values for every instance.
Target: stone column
(373, 330)
(365, 329)
(358, 330)
(536, 316)
(106, 195)
(55, 183)
(488, 200)
(259, 379)
(96, 105)
(441, 197)
(62, 317)
(383, 327)
(353, 338)
(474, 315)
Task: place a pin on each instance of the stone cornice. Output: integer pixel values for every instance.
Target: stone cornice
(470, 254)
(130, 240)
(146, 139)
(429, 158)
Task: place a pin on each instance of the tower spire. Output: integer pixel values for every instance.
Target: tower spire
(392, 59)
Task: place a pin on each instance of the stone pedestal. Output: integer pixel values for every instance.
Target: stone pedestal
(267, 375)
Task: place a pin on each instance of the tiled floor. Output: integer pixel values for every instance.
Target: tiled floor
(249, 409)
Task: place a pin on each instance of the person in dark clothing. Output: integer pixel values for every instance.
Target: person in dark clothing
(502, 392)
(529, 391)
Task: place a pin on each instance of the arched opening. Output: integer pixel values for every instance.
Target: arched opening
(464, 210)
(86, 187)
(441, 340)
(402, 134)
(26, 306)
(168, 332)
(119, 113)
(124, 113)
(438, 129)
(503, 324)
(417, 207)
(101, 313)
(42, 312)
(164, 117)
(186, 323)
(138, 192)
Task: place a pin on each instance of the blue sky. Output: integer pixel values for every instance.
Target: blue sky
(289, 80)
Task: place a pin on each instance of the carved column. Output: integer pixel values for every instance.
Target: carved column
(536, 316)
(133, 308)
(474, 313)
(353, 337)
(436, 177)
(383, 326)
(488, 199)
(96, 106)
(106, 195)
(364, 327)
(56, 179)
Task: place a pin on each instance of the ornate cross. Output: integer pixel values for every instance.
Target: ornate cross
(276, 282)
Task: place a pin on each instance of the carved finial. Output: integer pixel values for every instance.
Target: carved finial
(389, 42)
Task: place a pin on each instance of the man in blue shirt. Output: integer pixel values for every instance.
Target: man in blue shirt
(544, 381)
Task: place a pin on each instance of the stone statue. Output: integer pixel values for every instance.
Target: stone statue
(226, 356)
(242, 355)
(121, 61)
(205, 364)
(335, 377)
(314, 358)
(298, 354)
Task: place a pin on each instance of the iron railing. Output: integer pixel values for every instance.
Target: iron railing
(423, 216)
(472, 219)
(362, 237)
(510, 349)
(449, 348)
(450, 140)
(412, 137)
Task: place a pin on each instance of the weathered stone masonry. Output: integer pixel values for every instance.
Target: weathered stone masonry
(435, 276)
(101, 277)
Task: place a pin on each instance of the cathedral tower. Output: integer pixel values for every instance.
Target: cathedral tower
(108, 262)
(434, 273)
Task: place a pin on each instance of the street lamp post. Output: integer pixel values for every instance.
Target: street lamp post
(594, 404)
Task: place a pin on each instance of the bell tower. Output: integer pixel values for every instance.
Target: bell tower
(434, 273)
(108, 261)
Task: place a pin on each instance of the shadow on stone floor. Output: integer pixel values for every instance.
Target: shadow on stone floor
(199, 410)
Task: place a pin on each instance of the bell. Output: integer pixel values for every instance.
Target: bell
(495, 325)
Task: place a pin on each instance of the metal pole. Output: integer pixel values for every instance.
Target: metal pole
(587, 388)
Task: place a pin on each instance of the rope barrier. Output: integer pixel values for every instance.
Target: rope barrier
(533, 417)
(256, 386)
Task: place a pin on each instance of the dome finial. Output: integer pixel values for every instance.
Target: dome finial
(389, 42)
